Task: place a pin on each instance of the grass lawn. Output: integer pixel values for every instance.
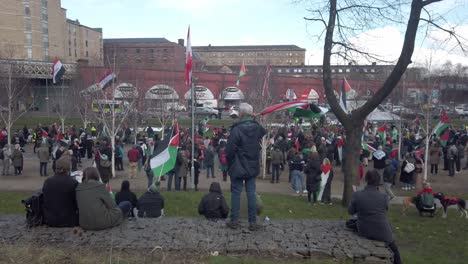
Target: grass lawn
(420, 239)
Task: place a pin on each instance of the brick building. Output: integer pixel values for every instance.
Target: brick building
(37, 30)
(251, 55)
(145, 53)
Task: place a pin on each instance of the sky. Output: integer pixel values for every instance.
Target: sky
(261, 22)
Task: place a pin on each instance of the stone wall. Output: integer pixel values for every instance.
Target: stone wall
(284, 238)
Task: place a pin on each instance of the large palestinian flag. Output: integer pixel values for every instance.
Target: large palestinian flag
(165, 154)
(442, 125)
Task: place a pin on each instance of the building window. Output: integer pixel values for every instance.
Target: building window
(315, 70)
(138, 51)
(75, 54)
(365, 70)
(86, 53)
(27, 10)
(28, 39)
(28, 24)
(69, 42)
(86, 43)
(340, 70)
(125, 50)
(348, 70)
(44, 3)
(279, 70)
(69, 52)
(29, 52)
(46, 53)
(372, 70)
(74, 42)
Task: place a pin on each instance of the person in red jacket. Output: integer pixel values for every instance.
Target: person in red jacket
(133, 157)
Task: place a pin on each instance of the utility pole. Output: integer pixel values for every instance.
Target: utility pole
(192, 109)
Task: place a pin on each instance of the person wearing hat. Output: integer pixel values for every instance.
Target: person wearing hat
(59, 201)
(370, 206)
(151, 203)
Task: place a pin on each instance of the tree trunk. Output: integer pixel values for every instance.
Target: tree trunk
(351, 158)
(264, 147)
(62, 120)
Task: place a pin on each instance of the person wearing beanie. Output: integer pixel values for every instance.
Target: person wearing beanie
(151, 203)
(59, 201)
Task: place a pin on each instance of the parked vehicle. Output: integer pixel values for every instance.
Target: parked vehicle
(205, 111)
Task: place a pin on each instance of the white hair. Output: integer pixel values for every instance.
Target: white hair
(245, 109)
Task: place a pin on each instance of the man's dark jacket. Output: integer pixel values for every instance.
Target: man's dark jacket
(150, 204)
(59, 204)
(243, 149)
(213, 205)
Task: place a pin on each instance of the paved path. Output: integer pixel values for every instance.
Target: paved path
(306, 238)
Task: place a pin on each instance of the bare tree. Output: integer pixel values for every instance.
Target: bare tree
(344, 20)
(13, 89)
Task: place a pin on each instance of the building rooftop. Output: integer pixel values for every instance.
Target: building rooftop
(136, 40)
(248, 47)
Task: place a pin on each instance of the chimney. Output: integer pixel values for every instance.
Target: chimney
(180, 42)
(374, 63)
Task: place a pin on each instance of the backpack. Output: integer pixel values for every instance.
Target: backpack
(409, 167)
(34, 214)
(223, 158)
(105, 162)
(427, 200)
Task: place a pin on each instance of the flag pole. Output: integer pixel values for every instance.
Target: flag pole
(192, 108)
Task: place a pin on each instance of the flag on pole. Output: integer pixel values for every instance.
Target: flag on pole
(345, 88)
(241, 73)
(444, 138)
(442, 125)
(58, 70)
(266, 81)
(165, 154)
(366, 146)
(60, 136)
(106, 79)
(382, 133)
(188, 61)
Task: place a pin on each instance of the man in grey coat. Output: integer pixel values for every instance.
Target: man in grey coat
(452, 154)
(44, 156)
(243, 157)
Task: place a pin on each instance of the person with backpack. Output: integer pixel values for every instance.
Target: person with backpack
(213, 205)
(105, 163)
(425, 200)
(370, 206)
(125, 194)
(407, 173)
(97, 209)
(59, 197)
(223, 160)
(151, 203)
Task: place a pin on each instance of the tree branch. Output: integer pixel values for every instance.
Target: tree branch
(428, 2)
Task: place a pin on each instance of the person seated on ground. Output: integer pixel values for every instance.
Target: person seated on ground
(213, 205)
(151, 203)
(59, 200)
(96, 207)
(370, 206)
(424, 201)
(126, 195)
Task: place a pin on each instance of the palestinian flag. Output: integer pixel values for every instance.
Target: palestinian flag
(366, 146)
(445, 138)
(241, 73)
(165, 154)
(382, 132)
(206, 128)
(442, 125)
(58, 70)
(345, 88)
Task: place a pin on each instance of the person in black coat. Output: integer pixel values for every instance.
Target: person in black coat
(151, 203)
(313, 176)
(59, 202)
(213, 205)
(126, 195)
(370, 206)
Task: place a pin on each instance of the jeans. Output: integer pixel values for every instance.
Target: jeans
(458, 164)
(209, 170)
(236, 189)
(177, 183)
(170, 176)
(388, 189)
(434, 168)
(118, 163)
(150, 176)
(43, 169)
(275, 173)
(451, 167)
(125, 207)
(297, 175)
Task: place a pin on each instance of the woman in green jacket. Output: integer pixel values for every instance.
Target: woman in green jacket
(97, 210)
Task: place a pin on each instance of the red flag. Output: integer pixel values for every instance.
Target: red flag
(60, 136)
(44, 133)
(346, 86)
(418, 153)
(267, 80)
(188, 61)
(297, 145)
(444, 117)
(394, 153)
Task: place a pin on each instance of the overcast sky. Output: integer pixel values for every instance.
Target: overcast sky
(254, 22)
